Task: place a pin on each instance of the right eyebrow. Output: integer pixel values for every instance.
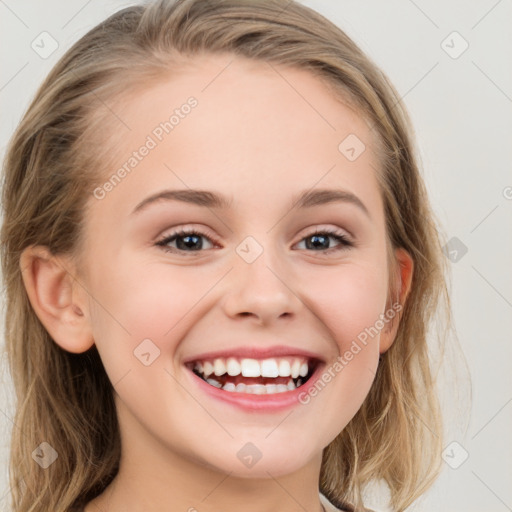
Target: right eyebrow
(197, 197)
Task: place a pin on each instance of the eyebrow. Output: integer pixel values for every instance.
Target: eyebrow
(191, 196)
(306, 199)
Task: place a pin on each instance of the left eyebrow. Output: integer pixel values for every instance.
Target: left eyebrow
(310, 198)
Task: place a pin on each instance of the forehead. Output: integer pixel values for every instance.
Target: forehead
(255, 127)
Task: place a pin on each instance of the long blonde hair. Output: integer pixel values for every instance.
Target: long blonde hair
(66, 399)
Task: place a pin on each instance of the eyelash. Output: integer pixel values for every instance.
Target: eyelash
(344, 242)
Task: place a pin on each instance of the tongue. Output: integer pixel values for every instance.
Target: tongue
(250, 380)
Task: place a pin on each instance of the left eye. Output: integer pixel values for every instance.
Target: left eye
(322, 237)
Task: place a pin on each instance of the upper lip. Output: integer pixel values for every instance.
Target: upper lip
(254, 352)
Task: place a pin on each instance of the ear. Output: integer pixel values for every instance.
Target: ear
(403, 284)
(57, 298)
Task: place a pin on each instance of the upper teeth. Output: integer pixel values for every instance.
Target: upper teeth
(273, 367)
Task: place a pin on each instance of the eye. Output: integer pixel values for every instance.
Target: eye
(190, 240)
(319, 241)
(187, 240)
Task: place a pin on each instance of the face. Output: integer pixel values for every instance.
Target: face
(259, 273)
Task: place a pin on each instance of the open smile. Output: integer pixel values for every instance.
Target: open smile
(253, 376)
(256, 379)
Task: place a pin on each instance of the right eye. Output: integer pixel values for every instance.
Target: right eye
(186, 241)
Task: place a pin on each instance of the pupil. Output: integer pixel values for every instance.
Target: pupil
(316, 238)
(188, 244)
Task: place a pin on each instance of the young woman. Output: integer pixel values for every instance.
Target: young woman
(220, 266)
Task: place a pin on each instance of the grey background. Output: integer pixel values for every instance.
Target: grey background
(461, 109)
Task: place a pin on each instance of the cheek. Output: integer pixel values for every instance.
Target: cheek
(138, 301)
(159, 298)
(349, 299)
(145, 312)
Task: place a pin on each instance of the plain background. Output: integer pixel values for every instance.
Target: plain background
(460, 103)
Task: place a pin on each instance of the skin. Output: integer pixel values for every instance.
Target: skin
(259, 141)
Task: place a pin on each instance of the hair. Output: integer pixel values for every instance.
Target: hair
(66, 399)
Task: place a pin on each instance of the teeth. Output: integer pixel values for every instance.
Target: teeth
(284, 368)
(258, 389)
(219, 367)
(213, 382)
(207, 369)
(295, 368)
(229, 386)
(233, 367)
(250, 368)
(270, 368)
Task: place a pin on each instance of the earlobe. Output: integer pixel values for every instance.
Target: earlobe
(55, 298)
(404, 276)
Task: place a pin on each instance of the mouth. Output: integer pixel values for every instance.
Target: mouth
(269, 376)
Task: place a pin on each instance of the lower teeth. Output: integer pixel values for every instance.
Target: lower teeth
(256, 389)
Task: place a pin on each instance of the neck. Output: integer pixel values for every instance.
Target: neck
(154, 478)
(199, 489)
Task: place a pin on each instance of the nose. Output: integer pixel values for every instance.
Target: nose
(261, 291)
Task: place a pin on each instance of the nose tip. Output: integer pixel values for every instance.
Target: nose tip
(258, 291)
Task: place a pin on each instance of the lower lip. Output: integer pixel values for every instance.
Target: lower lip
(253, 402)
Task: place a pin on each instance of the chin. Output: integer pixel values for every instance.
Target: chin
(249, 462)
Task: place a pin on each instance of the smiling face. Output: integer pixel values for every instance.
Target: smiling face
(251, 273)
